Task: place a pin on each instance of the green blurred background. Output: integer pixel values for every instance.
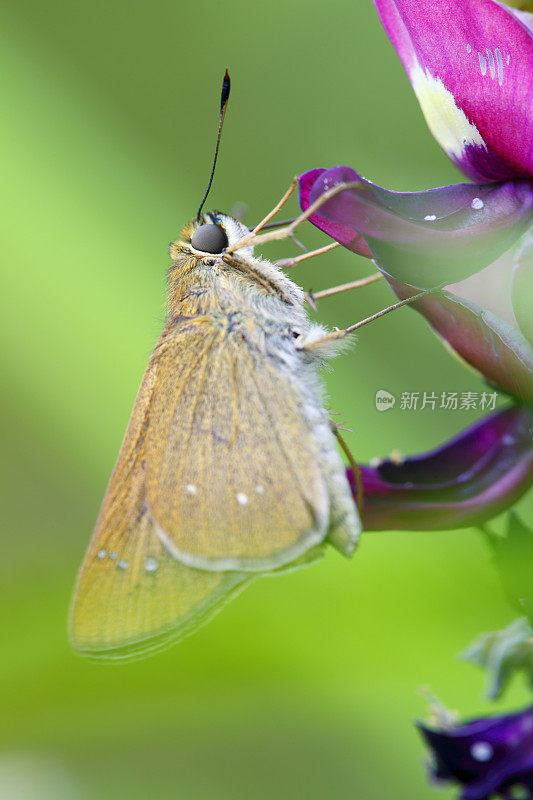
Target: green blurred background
(306, 685)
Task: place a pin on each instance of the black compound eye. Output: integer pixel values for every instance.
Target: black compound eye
(209, 239)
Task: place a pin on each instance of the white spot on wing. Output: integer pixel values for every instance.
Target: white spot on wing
(190, 489)
(151, 564)
(260, 489)
(123, 564)
(113, 555)
(102, 554)
(482, 64)
(469, 48)
(242, 498)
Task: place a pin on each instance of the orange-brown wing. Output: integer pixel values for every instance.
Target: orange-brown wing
(132, 596)
(233, 475)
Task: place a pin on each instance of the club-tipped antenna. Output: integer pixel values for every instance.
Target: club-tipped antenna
(224, 96)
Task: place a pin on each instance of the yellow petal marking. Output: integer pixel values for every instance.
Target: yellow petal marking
(447, 122)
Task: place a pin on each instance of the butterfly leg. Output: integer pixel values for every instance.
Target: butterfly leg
(341, 333)
(353, 464)
(343, 287)
(277, 207)
(286, 263)
(254, 238)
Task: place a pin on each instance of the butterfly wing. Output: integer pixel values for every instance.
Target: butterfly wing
(132, 596)
(218, 477)
(233, 475)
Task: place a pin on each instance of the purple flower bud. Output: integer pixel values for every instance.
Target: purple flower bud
(487, 756)
(464, 482)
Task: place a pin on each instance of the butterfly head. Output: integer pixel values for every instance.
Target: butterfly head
(203, 268)
(209, 237)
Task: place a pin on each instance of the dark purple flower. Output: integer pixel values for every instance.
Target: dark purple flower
(464, 482)
(490, 756)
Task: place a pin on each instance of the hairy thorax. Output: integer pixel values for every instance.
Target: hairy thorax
(231, 286)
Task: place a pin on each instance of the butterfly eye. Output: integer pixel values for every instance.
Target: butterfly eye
(209, 239)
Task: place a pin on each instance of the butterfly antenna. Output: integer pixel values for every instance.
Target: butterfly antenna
(224, 96)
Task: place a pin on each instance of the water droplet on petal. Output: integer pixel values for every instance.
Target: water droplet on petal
(482, 751)
(477, 203)
(430, 217)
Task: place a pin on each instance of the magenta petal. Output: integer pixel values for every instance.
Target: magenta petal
(344, 234)
(465, 482)
(522, 289)
(488, 343)
(525, 17)
(423, 238)
(471, 66)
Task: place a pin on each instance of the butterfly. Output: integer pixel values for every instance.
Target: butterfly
(229, 468)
